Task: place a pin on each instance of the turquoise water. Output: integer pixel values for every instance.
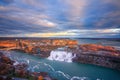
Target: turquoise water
(64, 70)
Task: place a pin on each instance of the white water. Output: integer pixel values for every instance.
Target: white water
(61, 56)
(79, 78)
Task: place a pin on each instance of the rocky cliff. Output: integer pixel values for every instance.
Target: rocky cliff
(33, 46)
(106, 56)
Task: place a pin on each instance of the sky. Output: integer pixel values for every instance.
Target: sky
(60, 18)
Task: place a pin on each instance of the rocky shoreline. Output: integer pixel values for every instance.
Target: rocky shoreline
(11, 71)
(105, 56)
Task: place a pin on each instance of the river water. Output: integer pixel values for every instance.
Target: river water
(106, 42)
(64, 70)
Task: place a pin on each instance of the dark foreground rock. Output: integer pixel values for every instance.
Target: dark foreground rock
(8, 71)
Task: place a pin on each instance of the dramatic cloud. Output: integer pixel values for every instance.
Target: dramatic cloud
(60, 18)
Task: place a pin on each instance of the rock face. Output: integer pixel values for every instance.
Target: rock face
(7, 44)
(97, 54)
(95, 47)
(99, 49)
(6, 65)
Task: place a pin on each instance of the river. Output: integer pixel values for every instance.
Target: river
(64, 70)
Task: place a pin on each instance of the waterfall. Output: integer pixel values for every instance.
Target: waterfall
(61, 56)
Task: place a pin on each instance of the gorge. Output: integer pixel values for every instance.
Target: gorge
(66, 50)
(65, 59)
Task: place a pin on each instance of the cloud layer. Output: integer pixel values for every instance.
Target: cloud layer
(60, 18)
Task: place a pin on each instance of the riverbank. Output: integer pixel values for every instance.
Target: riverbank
(12, 70)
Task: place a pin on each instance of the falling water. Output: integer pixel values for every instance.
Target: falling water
(61, 56)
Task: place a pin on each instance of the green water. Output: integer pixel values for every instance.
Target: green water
(64, 70)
